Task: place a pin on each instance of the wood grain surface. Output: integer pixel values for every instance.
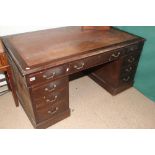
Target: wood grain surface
(103, 28)
(48, 46)
(47, 58)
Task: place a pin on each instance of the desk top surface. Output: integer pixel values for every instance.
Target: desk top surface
(50, 46)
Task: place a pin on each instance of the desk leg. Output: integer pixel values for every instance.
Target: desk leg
(12, 86)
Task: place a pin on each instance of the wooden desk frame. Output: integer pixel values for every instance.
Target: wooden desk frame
(43, 91)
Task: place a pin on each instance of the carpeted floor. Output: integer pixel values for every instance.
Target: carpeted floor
(92, 107)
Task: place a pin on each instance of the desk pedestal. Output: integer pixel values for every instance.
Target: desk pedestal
(118, 75)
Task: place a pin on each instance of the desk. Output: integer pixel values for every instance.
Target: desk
(42, 62)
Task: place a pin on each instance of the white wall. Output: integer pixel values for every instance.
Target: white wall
(7, 30)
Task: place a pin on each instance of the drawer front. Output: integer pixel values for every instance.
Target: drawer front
(49, 100)
(47, 75)
(127, 78)
(49, 88)
(128, 73)
(93, 61)
(131, 59)
(130, 69)
(51, 110)
(135, 47)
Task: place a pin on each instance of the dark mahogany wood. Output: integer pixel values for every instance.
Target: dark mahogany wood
(60, 45)
(118, 75)
(103, 28)
(42, 61)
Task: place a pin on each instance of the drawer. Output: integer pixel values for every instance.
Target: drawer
(127, 78)
(77, 66)
(48, 100)
(129, 69)
(93, 61)
(49, 112)
(128, 73)
(47, 75)
(49, 88)
(82, 64)
(134, 47)
(131, 59)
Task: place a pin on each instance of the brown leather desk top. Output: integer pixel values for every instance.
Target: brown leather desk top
(34, 51)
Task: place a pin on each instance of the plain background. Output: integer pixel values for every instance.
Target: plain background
(26, 15)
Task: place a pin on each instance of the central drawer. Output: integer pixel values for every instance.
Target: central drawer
(96, 60)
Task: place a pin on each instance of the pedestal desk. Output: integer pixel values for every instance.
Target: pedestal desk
(42, 61)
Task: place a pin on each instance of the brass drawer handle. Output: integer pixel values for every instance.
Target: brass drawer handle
(79, 67)
(126, 79)
(53, 112)
(132, 59)
(50, 77)
(114, 55)
(53, 100)
(52, 89)
(128, 69)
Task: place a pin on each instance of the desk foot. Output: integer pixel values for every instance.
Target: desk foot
(53, 120)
